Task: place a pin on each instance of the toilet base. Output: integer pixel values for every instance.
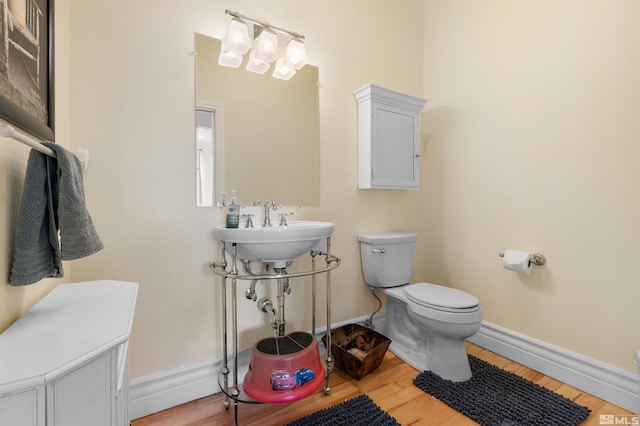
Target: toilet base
(424, 349)
(453, 366)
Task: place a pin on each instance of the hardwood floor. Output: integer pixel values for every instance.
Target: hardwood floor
(390, 387)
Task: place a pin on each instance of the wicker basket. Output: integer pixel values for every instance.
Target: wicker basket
(357, 350)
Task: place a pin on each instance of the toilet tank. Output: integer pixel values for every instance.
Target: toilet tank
(387, 258)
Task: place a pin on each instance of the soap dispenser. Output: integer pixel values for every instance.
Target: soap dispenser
(233, 214)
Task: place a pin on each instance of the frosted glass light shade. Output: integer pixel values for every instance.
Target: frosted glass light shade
(237, 38)
(229, 58)
(267, 45)
(235, 44)
(295, 53)
(284, 69)
(258, 63)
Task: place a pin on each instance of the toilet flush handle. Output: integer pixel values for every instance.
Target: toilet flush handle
(378, 250)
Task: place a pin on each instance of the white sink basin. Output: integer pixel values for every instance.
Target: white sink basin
(274, 243)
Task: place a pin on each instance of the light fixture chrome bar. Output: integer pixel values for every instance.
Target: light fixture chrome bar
(263, 23)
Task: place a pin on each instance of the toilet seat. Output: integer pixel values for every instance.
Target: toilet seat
(441, 298)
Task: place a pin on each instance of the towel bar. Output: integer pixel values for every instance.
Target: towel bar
(9, 132)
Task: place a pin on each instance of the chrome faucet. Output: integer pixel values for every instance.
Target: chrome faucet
(268, 206)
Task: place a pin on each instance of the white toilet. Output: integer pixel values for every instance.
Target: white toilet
(427, 323)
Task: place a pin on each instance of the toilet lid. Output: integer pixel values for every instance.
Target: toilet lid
(442, 298)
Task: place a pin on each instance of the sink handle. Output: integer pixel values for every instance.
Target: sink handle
(249, 217)
(283, 218)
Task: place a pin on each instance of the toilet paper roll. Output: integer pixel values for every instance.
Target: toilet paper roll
(518, 261)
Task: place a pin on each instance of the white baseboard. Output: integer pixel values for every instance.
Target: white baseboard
(620, 387)
(159, 391)
(156, 392)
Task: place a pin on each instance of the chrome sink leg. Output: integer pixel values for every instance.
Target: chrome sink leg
(313, 294)
(235, 392)
(328, 259)
(225, 364)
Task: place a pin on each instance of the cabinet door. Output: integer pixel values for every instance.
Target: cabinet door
(395, 147)
(85, 395)
(24, 408)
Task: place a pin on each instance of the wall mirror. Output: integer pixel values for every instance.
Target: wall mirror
(255, 134)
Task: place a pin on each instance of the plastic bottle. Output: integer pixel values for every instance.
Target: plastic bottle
(233, 215)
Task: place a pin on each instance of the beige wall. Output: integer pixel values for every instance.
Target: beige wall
(533, 144)
(529, 142)
(133, 107)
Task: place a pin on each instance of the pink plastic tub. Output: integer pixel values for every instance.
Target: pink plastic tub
(284, 369)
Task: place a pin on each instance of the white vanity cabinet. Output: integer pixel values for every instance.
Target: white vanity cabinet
(388, 138)
(64, 362)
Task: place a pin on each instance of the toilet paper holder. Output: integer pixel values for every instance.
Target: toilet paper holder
(538, 259)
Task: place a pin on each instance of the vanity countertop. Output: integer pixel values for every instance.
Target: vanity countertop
(68, 327)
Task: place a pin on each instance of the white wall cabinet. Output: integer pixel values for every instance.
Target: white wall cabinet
(65, 362)
(388, 138)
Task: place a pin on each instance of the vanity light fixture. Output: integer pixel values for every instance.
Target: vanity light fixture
(264, 48)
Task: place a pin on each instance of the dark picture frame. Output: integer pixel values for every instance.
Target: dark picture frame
(26, 66)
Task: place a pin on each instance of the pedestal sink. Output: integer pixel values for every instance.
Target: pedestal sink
(277, 244)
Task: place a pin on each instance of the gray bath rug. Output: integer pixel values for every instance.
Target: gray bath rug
(358, 411)
(495, 397)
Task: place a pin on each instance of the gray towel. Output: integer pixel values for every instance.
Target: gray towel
(37, 252)
(52, 204)
(78, 236)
